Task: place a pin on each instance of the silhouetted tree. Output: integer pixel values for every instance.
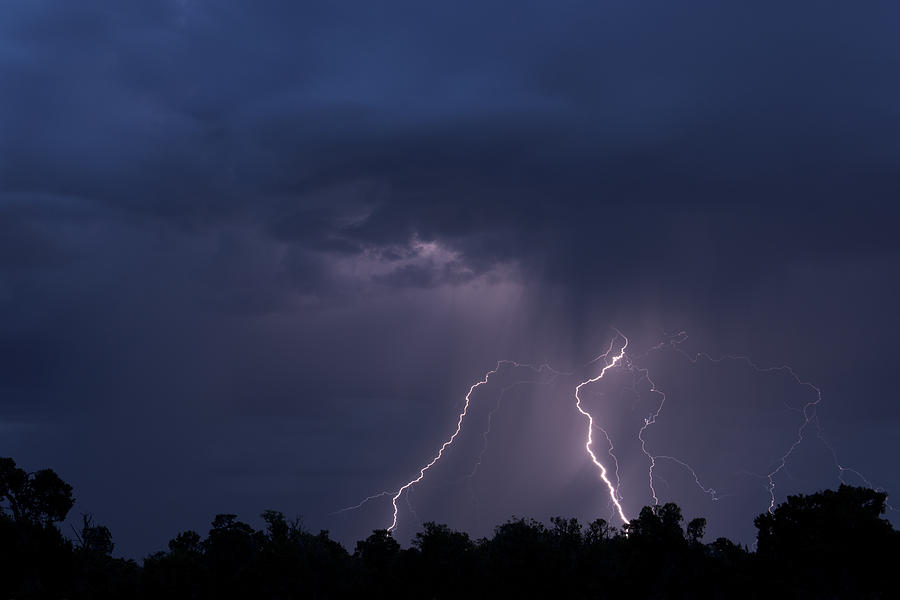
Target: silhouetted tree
(519, 558)
(445, 561)
(35, 559)
(599, 532)
(831, 544)
(230, 549)
(179, 573)
(378, 556)
(39, 497)
(94, 540)
(98, 574)
(659, 524)
(696, 529)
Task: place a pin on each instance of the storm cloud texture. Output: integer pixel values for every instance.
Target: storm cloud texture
(252, 255)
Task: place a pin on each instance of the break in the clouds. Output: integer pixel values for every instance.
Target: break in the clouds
(214, 215)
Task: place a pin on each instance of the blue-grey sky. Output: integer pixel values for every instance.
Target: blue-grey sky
(252, 255)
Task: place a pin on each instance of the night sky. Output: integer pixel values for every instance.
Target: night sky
(253, 255)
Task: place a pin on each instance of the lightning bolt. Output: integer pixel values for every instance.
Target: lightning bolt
(613, 490)
(459, 423)
(640, 374)
(808, 412)
(445, 445)
(395, 496)
(647, 423)
(360, 504)
(713, 494)
(820, 433)
(644, 374)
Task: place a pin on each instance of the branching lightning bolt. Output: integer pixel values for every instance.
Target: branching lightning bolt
(651, 420)
(395, 496)
(613, 490)
(647, 423)
(449, 441)
(640, 373)
(808, 412)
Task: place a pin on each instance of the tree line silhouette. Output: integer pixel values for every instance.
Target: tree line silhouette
(831, 544)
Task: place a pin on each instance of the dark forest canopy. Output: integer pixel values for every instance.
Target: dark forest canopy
(832, 544)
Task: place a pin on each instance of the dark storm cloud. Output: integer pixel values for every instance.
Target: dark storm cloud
(197, 111)
(213, 208)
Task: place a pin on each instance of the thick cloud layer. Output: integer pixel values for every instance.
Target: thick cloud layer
(251, 256)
